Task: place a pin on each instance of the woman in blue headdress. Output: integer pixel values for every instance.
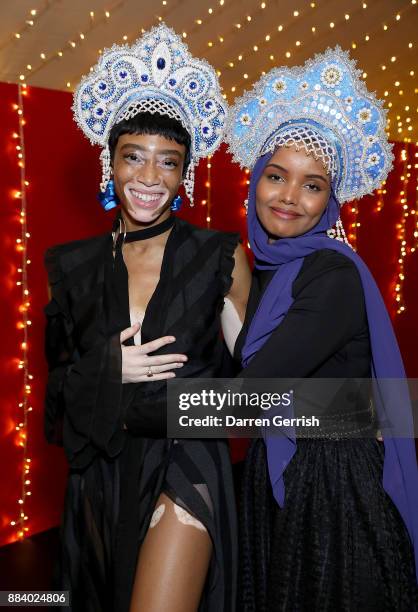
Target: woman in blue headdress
(329, 517)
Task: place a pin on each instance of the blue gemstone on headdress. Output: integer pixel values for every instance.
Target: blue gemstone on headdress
(102, 86)
(172, 82)
(205, 130)
(123, 74)
(208, 104)
(99, 111)
(160, 63)
(144, 78)
(193, 85)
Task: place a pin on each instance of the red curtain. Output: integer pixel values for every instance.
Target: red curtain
(63, 174)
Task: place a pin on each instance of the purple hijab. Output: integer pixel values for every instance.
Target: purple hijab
(286, 256)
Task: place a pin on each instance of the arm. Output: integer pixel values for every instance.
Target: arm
(59, 353)
(327, 311)
(233, 313)
(77, 385)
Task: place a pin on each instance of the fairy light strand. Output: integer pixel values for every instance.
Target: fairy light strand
(380, 199)
(29, 23)
(415, 210)
(400, 305)
(404, 128)
(208, 185)
(246, 184)
(234, 27)
(95, 20)
(125, 37)
(271, 36)
(23, 324)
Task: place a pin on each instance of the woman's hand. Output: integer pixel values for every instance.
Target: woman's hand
(139, 366)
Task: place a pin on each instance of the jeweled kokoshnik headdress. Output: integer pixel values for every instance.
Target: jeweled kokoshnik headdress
(322, 107)
(157, 74)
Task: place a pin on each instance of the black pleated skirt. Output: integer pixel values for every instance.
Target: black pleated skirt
(338, 545)
(109, 506)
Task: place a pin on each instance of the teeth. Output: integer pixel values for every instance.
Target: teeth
(145, 197)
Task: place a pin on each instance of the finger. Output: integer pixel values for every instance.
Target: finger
(129, 332)
(162, 376)
(160, 360)
(166, 367)
(154, 345)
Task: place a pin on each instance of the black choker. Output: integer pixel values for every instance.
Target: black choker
(146, 233)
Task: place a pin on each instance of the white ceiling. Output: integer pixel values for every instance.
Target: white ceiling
(59, 25)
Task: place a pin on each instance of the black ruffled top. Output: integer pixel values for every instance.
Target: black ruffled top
(86, 403)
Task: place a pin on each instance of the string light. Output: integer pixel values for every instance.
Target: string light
(269, 38)
(237, 26)
(266, 39)
(353, 226)
(97, 18)
(208, 185)
(20, 522)
(414, 211)
(402, 235)
(28, 23)
(106, 18)
(71, 44)
(380, 200)
(245, 183)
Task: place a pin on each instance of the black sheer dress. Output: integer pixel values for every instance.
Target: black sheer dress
(339, 543)
(116, 475)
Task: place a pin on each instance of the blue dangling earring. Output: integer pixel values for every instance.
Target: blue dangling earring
(176, 203)
(109, 199)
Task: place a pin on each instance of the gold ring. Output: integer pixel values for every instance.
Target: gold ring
(149, 373)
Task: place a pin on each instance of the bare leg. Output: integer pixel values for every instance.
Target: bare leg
(172, 563)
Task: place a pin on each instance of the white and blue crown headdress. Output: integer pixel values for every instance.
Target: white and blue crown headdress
(156, 74)
(323, 107)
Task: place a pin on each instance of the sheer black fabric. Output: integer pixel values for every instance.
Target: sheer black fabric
(116, 475)
(339, 542)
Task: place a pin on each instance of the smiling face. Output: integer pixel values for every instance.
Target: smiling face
(292, 193)
(147, 171)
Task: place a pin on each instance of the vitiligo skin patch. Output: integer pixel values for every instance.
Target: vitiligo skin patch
(187, 519)
(157, 515)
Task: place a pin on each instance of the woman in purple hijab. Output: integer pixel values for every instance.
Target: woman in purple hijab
(329, 519)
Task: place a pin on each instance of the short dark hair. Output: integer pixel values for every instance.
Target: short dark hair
(152, 124)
